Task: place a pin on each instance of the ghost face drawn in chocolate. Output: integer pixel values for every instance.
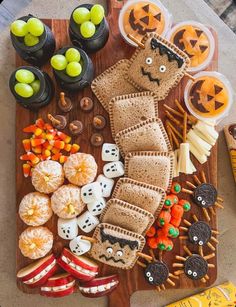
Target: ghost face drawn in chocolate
(156, 273)
(205, 195)
(157, 67)
(195, 267)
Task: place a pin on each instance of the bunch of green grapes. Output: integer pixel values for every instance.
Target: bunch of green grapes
(88, 20)
(30, 30)
(70, 62)
(26, 85)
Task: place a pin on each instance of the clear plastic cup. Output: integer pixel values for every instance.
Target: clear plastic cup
(136, 18)
(209, 97)
(196, 41)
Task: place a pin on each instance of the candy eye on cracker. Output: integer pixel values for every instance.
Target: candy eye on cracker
(116, 246)
(158, 67)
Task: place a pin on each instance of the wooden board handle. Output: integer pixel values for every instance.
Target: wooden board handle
(114, 5)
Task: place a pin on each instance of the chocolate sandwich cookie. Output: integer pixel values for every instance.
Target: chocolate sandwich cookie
(156, 273)
(195, 267)
(205, 195)
(199, 233)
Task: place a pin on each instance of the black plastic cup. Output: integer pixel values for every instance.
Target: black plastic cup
(40, 53)
(75, 83)
(42, 97)
(94, 43)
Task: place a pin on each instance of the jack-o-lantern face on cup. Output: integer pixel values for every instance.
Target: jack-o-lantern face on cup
(196, 40)
(138, 18)
(209, 96)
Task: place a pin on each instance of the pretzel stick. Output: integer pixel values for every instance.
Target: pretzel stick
(174, 138)
(147, 257)
(174, 130)
(189, 76)
(92, 240)
(191, 118)
(173, 111)
(185, 127)
(173, 119)
(136, 41)
(62, 99)
(169, 136)
(141, 264)
(53, 119)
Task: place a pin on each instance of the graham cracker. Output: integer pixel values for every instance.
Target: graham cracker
(116, 246)
(158, 67)
(140, 194)
(151, 167)
(112, 83)
(128, 110)
(127, 216)
(149, 135)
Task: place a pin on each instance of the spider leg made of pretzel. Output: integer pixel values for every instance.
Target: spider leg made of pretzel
(219, 205)
(190, 184)
(141, 264)
(187, 250)
(207, 216)
(196, 179)
(203, 175)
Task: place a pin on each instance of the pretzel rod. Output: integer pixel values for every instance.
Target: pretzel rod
(185, 127)
(170, 282)
(92, 240)
(180, 258)
(151, 252)
(174, 130)
(173, 119)
(206, 214)
(174, 138)
(209, 256)
(136, 41)
(203, 176)
(178, 105)
(187, 250)
(195, 218)
(141, 264)
(160, 255)
(189, 76)
(53, 119)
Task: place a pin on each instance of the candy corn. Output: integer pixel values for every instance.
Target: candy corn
(40, 123)
(33, 129)
(26, 144)
(64, 137)
(57, 144)
(37, 142)
(26, 170)
(74, 148)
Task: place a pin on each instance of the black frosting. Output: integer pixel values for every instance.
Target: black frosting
(172, 56)
(122, 242)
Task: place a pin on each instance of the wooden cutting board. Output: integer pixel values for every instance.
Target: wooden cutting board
(115, 49)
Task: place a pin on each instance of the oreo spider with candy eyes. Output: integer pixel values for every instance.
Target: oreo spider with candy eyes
(199, 233)
(156, 272)
(204, 195)
(194, 266)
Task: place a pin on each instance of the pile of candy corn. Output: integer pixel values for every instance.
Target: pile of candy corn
(45, 143)
(166, 227)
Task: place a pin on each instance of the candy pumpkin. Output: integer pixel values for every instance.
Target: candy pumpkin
(143, 17)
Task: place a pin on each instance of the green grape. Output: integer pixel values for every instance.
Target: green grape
(81, 14)
(24, 90)
(31, 40)
(97, 14)
(59, 62)
(35, 86)
(35, 26)
(24, 76)
(72, 55)
(19, 28)
(73, 69)
(87, 29)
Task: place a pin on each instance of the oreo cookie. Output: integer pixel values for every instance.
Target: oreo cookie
(156, 273)
(199, 233)
(205, 195)
(195, 267)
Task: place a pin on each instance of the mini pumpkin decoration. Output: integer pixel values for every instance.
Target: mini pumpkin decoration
(35, 209)
(196, 41)
(143, 17)
(35, 242)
